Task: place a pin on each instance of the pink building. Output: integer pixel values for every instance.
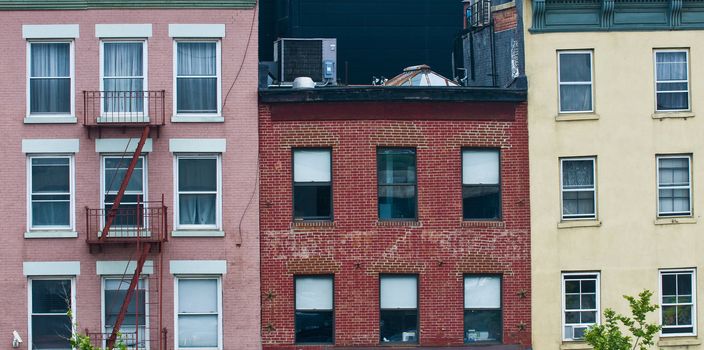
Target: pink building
(86, 85)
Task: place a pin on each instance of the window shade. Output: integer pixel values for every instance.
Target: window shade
(311, 166)
(314, 293)
(480, 167)
(399, 292)
(482, 292)
(198, 296)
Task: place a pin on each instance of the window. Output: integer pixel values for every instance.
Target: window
(399, 308)
(199, 313)
(134, 324)
(198, 179)
(123, 76)
(575, 80)
(314, 309)
(114, 170)
(482, 309)
(197, 77)
(580, 303)
(672, 80)
(481, 190)
(678, 312)
(578, 182)
(674, 186)
(50, 188)
(50, 78)
(312, 184)
(49, 303)
(396, 171)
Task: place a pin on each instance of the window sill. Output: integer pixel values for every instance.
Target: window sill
(569, 117)
(674, 340)
(578, 223)
(675, 221)
(482, 223)
(197, 233)
(53, 119)
(396, 223)
(574, 345)
(50, 234)
(197, 119)
(313, 223)
(673, 115)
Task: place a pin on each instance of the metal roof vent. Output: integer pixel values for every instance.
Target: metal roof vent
(303, 83)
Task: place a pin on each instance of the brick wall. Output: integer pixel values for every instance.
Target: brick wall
(505, 19)
(356, 248)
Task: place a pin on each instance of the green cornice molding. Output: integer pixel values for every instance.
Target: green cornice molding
(123, 4)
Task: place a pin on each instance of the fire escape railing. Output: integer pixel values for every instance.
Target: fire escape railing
(124, 108)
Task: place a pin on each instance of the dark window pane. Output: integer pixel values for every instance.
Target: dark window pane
(397, 202)
(481, 202)
(673, 100)
(684, 284)
(197, 174)
(575, 98)
(572, 302)
(51, 332)
(113, 303)
(572, 286)
(314, 327)
(669, 285)
(396, 166)
(197, 95)
(575, 67)
(51, 296)
(669, 315)
(589, 286)
(51, 213)
(397, 326)
(589, 301)
(197, 209)
(684, 314)
(572, 317)
(685, 330)
(578, 174)
(588, 316)
(50, 95)
(482, 325)
(312, 201)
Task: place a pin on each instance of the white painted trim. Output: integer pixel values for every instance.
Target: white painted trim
(197, 145)
(123, 30)
(29, 305)
(37, 119)
(197, 30)
(50, 145)
(198, 267)
(198, 117)
(120, 145)
(123, 267)
(50, 31)
(219, 301)
(191, 118)
(197, 233)
(50, 234)
(51, 268)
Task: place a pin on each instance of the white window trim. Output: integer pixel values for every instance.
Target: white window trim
(560, 83)
(145, 182)
(655, 80)
(218, 195)
(189, 117)
(128, 277)
(29, 303)
(220, 308)
(72, 194)
(52, 117)
(693, 271)
(145, 71)
(562, 297)
(688, 187)
(562, 190)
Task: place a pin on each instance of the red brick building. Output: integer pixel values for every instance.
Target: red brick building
(387, 221)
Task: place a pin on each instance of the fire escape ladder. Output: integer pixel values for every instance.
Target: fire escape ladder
(123, 186)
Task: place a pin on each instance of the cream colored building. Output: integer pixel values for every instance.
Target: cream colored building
(616, 190)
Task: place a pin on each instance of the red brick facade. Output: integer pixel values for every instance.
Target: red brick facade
(505, 19)
(440, 247)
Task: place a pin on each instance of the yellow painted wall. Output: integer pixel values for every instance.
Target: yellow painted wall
(628, 248)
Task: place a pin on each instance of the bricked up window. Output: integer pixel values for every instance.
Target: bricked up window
(314, 309)
(396, 176)
(482, 309)
(399, 308)
(481, 190)
(312, 184)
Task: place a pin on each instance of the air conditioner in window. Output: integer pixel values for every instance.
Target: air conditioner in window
(303, 57)
(576, 332)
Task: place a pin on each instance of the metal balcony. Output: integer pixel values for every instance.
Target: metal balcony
(124, 109)
(145, 222)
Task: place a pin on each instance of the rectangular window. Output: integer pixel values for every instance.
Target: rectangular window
(49, 303)
(396, 176)
(578, 187)
(575, 80)
(50, 188)
(199, 308)
(50, 75)
(123, 76)
(198, 179)
(399, 308)
(672, 80)
(674, 186)
(312, 184)
(482, 309)
(678, 291)
(133, 329)
(314, 309)
(197, 77)
(580, 303)
(114, 170)
(481, 190)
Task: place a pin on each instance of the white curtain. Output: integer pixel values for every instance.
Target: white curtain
(50, 82)
(197, 184)
(123, 77)
(575, 82)
(674, 172)
(399, 292)
(311, 166)
(196, 77)
(672, 80)
(480, 167)
(482, 292)
(314, 293)
(577, 174)
(198, 312)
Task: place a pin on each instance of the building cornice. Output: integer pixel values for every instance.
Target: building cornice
(116, 4)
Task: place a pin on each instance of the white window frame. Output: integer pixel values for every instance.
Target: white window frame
(72, 193)
(145, 73)
(29, 303)
(693, 273)
(145, 182)
(688, 81)
(72, 76)
(562, 189)
(560, 83)
(563, 301)
(145, 281)
(688, 187)
(218, 195)
(177, 278)
(218, 65)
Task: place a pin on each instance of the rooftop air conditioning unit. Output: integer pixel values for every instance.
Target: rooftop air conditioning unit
(314, 58)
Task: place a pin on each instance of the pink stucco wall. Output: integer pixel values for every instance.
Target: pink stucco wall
(240, 246)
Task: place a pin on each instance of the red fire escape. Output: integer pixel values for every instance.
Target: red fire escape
(140, 228)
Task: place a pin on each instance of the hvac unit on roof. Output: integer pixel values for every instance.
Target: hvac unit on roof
(314, 58)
